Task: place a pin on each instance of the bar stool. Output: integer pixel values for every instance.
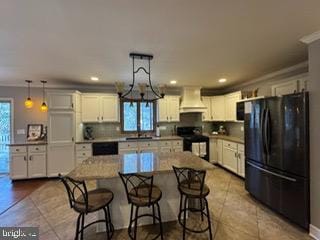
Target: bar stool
(141, 192)
(192, 187)
(84, 202)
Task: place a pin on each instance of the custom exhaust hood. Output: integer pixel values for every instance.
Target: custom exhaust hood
(191, 101)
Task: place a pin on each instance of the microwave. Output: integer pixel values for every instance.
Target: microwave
(240, 111)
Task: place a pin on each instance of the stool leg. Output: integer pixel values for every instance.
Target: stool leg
(185, 217)
(153, 214)
(201, 207)
(136, 224)
(160, 221)
(77, 229)
(180, 208)
(209, 222)
(130, 222)
(110, 222)
(107, 222)
(82, 226)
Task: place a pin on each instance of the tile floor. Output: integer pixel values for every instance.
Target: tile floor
(236, 216)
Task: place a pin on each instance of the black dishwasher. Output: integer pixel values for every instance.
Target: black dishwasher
(104, 148)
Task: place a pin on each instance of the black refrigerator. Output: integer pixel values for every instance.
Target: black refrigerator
(277, 154)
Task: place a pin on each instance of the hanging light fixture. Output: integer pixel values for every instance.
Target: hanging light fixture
(143, 87)
(44, 107)
(28, 103)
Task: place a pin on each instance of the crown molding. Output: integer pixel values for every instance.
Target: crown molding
(311, 38)
(269, 76)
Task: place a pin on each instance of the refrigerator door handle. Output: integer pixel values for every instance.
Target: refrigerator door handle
(263, 130)
(268, 131)
(272, 173)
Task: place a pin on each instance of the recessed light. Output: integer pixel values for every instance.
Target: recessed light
(173, 82)
(222, 80)
(94, 79)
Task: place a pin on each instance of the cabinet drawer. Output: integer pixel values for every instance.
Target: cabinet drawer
(126, 145)
(177, 143)
(165, 144)
(177, 149)
(84, 154)
(150, 144)
(18, 149)
(240, 147)
(230, 144)
(37, 149)
(83, 147)
(80, 160)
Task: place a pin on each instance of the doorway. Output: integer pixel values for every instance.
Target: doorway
(6, 126)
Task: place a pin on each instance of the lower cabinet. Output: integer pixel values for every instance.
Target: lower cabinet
(28, 162)
(241, 160)
(82, 152)
(151, 146)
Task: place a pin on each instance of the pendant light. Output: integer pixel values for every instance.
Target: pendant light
(44, 107)
(28, 103)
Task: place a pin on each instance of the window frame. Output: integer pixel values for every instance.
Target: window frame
(154, 105)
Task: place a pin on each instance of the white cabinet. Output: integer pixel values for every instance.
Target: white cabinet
(230, 160)
(213, 150)
(218, 108)
(151, 146)
(207, 116)
(220, 151)
(299, 84)
(82, 152)
(62, 100)
(241, 160)
(28, 162)
(168, 109)
(231, 106)
(60, 159)
(61, 127)
(100, 108)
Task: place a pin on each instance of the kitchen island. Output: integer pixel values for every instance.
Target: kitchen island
(104, 169)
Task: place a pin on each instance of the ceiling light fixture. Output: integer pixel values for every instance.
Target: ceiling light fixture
(94, 79)
(143, 87)
(222, 80)
(28, 103)
(173, 82)
(44, 107)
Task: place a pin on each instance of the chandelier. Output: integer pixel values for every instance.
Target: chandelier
(143, 87)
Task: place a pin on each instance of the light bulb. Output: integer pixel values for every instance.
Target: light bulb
(44, 107)
(28, 103)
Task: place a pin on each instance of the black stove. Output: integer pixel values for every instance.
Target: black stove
(194, 141)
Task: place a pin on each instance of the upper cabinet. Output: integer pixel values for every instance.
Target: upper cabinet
(100, 107)
(168, 109)
(300, 84)
(207, 116)
(63, 100)
(231, 106)
(218, 108)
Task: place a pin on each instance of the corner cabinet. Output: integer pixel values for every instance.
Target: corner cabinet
(168, 109)
(299, 84)
(100, 108)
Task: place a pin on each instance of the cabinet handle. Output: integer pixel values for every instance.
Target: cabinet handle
(71, 105)
(72, 139)
(37, 148)
(235, 154)
(25, 158)
(30, 158)
(167, 118)
(98, 118)
(101, 118)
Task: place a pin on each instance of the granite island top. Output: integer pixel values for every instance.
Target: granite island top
(26, 143)
(108, 166)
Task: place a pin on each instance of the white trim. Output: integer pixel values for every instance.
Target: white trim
(11, 100)
(314, 232)
(311, 38)
(271, 75)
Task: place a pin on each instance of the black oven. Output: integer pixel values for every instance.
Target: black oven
(240, 111)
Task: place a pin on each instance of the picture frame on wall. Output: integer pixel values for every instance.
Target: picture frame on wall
(35, 132)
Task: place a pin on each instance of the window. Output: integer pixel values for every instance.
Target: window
(137, 116)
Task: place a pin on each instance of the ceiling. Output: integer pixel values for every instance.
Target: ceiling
(193, 42)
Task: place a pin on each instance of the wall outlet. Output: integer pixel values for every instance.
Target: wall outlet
(242, 129)
(21, 131)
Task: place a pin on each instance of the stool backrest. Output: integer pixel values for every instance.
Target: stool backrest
(76, 190)
(133, 182)
(191, 178)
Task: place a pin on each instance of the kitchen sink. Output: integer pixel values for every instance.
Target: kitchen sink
(137, 138)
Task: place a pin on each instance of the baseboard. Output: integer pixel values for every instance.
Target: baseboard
(314, 232)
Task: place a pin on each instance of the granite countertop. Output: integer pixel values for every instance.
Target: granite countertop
(226, 137)
(123, 139)
(104, 167)
(26, 143)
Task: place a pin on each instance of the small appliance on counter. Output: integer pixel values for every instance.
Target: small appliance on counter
(88, 133)
(218, 130)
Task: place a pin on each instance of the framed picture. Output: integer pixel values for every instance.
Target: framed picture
(34, 132)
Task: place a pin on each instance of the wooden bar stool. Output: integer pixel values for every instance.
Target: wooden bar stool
(192, 187)
(141, 192)
(84, 202)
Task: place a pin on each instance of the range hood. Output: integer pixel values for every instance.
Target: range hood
(191, 100)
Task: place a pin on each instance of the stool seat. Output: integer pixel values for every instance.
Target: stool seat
(193, 189)
(140, 195)
(97, 199)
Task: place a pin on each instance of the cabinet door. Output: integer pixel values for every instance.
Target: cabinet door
(127, 151)
(18, 166)
(218, 108)
(303, 85)
(90, 108)
(213, 150)
(60, 159)
(61, 127)
(241, 163)
(60, 101)
(173, 105)
(109, 108)
(230, 160)
(37, 165)
(162, 113)
(220, 151)
(285, 88)
(207, 116)
(177, 149)
(165, 149)
(231, 106)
